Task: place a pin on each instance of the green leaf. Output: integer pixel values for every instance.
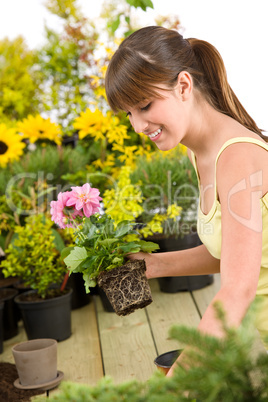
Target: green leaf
(65, 252)
(58, 241)
(89, 283)
(118, 260)
(89, 228)
(148, 246)
(123, 228)
(76, 257)
(131, 247)
(107, 242)
(143, 4)
(115, 24)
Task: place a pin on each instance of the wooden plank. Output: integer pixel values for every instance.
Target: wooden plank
(166, 310)
(127, 345)
(79, 357)
(204, 296)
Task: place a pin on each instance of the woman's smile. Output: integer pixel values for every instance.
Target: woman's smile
(155, 135)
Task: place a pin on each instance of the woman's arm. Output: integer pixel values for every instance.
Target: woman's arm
(193, 261)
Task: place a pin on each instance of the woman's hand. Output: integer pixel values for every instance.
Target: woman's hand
(151, 262)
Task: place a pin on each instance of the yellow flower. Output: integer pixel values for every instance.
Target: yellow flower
(91, 123)
(125, 201)
(117, 133)
(173, 211)
(11, 145)
(100, 92)
(38, 128)
(109, 162)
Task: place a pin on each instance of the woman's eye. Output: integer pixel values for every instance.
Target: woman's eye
(146, 107)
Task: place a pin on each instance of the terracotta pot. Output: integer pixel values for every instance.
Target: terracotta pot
(165, 361)
(36, 362)
(126, 287)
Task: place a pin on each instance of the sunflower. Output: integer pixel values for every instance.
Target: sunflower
(91, 123)
(38, 128)
(11, 145)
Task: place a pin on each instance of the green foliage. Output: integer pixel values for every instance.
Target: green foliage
(65, 90)
(165, 180)
(64, 8)
(143, 4)
(19, 80)
(118, 14)
(221, 370)
(48, 164)
(33, 257)
(100, 246)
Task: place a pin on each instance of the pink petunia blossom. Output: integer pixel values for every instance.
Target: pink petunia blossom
(85, 197)
(59, 212)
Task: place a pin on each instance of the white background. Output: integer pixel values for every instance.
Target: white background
(238, 28)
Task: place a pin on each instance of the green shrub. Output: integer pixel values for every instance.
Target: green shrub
(34, 255)
(44, 164)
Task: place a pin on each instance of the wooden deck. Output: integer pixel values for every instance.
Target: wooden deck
(124, 348)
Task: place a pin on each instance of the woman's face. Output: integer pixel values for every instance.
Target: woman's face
(164, 120)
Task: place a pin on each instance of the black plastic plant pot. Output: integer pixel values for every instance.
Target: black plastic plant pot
(176, 284)
(79, 297)
(10, 313)
(165, 361)
(49, 318)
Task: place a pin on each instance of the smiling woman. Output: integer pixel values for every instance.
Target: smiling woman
(177, 92)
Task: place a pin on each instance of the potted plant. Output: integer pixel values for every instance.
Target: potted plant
(33, 257)
(101, 249)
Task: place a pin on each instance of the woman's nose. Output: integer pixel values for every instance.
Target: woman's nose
(138, 123)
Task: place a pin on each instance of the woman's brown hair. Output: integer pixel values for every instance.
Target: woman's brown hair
(155, 55)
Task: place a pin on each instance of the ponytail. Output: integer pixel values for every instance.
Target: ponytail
(215, 86)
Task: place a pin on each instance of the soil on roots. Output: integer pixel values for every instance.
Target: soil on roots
(126, 287)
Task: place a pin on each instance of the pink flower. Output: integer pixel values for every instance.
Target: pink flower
(85, 197)
(61, 215)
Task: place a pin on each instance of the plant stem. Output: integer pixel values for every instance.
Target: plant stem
(66, 277)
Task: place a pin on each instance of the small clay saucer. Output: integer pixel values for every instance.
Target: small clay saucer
(46, 386)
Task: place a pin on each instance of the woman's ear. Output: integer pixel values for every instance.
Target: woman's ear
(184, 85)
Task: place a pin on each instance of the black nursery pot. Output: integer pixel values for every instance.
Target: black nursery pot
(165, 361)
(10, 313)
(49, 318)
(176, 284)
(79, 296)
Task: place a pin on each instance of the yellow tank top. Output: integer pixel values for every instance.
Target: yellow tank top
(209, 231)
